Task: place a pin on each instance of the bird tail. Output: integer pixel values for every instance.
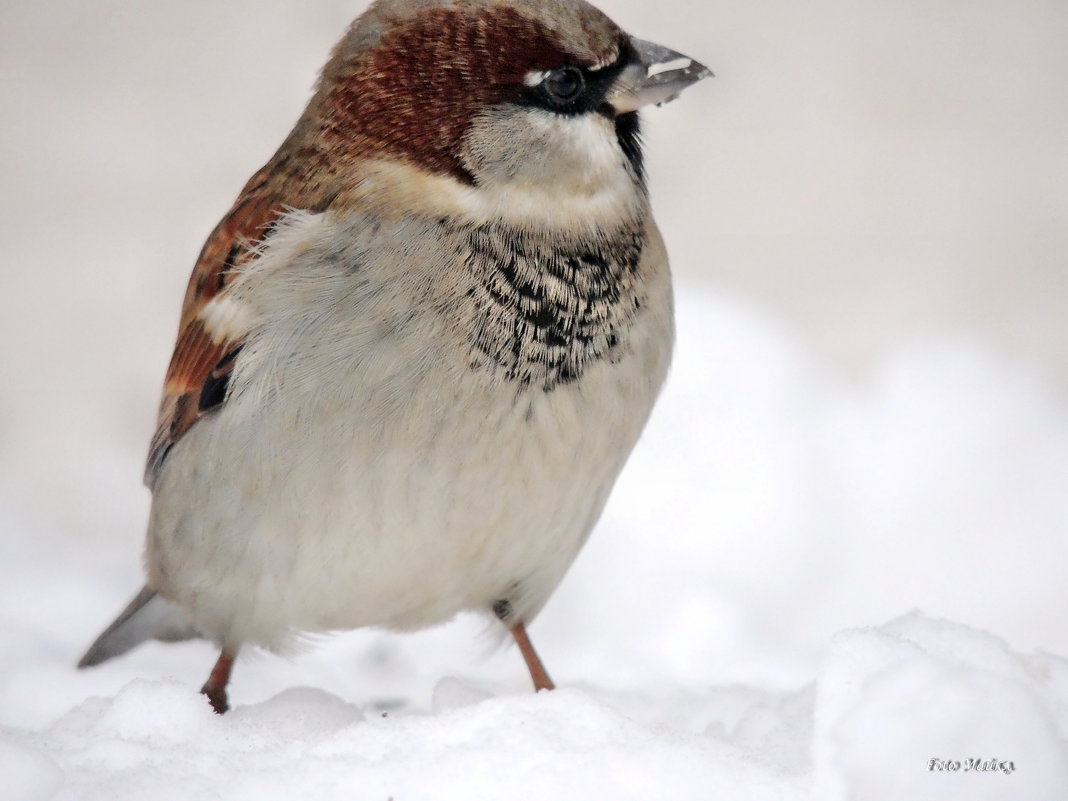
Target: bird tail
(146, 617)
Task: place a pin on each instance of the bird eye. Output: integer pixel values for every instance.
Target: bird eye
(564, 84)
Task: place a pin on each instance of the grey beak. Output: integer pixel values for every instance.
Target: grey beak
(657, 76)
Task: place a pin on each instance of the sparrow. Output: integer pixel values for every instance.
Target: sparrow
(415, 354)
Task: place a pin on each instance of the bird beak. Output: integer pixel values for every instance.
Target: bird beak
(657, 75)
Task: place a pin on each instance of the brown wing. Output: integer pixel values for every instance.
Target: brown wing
(202, 360)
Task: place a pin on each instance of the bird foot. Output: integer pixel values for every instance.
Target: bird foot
(216, 697)
(215, 687)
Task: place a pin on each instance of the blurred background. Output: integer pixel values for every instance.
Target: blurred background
(867, 211)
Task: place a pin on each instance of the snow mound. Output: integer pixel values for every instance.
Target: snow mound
(925, 709)
(887, 702)
(160, 740)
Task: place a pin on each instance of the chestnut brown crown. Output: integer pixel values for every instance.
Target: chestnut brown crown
(410, 75)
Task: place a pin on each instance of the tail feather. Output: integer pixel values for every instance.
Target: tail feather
(146, 617)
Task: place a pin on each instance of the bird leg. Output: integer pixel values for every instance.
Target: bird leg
(215, 687)
(530, 656)
(503, 610)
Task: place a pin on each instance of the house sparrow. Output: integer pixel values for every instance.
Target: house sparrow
(415, 354)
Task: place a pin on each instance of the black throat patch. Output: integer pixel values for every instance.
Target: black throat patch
(545, 311)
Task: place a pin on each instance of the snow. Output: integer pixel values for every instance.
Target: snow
(891, 700)
(811, 580)
(741, 625)
(887, 702)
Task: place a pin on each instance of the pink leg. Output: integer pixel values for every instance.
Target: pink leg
(534, 665)
(215, 687)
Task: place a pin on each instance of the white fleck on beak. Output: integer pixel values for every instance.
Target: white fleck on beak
(657, 76)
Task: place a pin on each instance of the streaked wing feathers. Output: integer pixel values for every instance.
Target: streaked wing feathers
(207, 345)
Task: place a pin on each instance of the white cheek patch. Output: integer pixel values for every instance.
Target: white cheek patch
(587, 146)
(585, 182)
(587, 142)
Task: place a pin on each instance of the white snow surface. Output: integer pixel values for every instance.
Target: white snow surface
(803, 588)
